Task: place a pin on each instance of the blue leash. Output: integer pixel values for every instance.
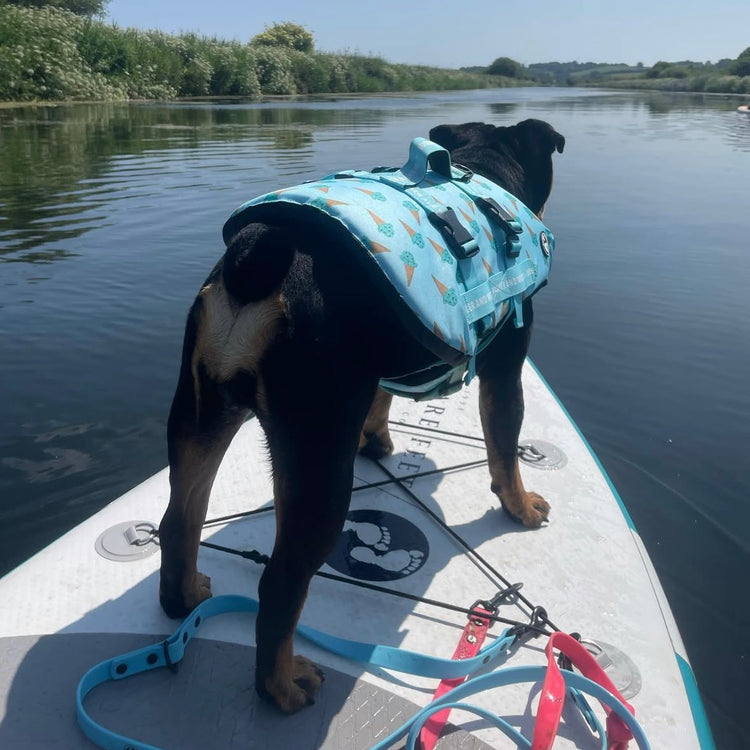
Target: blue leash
(170, 652)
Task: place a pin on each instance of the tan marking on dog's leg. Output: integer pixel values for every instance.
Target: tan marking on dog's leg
(529, 508)
(375, 439)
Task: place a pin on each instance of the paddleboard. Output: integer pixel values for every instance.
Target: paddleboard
(92, 595)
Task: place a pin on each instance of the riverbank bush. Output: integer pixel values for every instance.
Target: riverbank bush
(48, 53)
(709, 83)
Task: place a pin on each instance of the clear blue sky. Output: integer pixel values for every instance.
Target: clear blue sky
(454, 33)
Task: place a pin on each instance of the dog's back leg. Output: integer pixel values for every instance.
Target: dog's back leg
(315, 413)
(204, 417)
(375, 440)
(501, 408)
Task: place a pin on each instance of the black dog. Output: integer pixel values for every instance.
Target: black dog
(299, 335)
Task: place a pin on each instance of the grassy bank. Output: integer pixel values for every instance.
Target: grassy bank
(50, 54)
(709, 84)
(727, 76)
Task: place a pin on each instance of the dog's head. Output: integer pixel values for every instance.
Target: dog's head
(518, 158)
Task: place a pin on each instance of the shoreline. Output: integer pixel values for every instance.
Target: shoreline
(270, 98)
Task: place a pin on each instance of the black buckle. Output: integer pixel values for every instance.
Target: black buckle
(507, 222)
(380, 170)
(467, 175)
(478, 617)
(460, 242)
(563, 661)
(504, 596)
(536, 625)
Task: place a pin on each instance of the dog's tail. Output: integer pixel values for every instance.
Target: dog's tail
(256, 261)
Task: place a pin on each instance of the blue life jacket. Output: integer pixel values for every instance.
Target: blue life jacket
(459, 253)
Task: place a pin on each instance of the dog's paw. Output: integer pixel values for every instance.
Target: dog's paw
(290, 697)
(532, 510)
(181, 604)
(536, 511)
(375, 445)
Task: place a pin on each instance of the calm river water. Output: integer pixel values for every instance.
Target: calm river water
(110, 218)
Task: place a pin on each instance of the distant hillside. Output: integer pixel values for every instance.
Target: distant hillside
(580, 73)
(725, 76)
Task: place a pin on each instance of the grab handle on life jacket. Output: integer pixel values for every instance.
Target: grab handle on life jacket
(424, 155)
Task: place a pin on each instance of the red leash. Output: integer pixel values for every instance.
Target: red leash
(553, 695)
(471, 641)
(553, 689)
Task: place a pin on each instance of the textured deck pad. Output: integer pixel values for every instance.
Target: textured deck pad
(210, 702)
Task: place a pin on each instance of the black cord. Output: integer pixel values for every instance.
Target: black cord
(262, 559)
(472, 552)
(538, 614)
(359, 488)
(436, 431)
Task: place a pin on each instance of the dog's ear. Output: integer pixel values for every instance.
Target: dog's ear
(530, 144)
(455, 136)
(538, 135)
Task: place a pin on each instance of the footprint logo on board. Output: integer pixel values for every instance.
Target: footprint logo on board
(379, 546)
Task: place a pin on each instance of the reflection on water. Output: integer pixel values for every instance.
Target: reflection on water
(110, 218)
(63, 166)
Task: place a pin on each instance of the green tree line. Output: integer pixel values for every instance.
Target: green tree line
(725, 76)
(54, 53)
(62, 50)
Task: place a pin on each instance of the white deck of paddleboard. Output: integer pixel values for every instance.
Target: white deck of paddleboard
(68, 608)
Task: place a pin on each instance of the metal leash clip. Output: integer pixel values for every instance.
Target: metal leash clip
(491, 606)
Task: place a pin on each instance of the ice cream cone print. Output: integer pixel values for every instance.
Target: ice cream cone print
(416, 237)
(440, 250)
(487, 267)
(436, 330)
(469, 202)
(331, 202)
(383, 226)
(376, 247)
(463, 345)
(534, 238)
(413, 209)
(274, 196)
(409, 265)
(472, 222)
(322, 188)
(449, 295)
(374, 194)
